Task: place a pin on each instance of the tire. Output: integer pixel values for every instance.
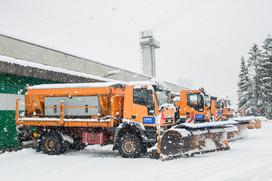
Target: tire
(130, 146)
(52, 144)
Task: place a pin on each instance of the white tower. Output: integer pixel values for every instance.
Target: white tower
(148, 45)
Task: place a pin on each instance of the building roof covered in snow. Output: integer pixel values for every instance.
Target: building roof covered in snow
(28, 59)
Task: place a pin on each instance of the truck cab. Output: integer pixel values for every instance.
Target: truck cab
(195, 103)
(224, 108)
(143, 100)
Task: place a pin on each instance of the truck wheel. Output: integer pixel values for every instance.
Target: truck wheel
(51, 144)
(129, 146)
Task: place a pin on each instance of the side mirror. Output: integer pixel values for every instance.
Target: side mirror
(151, 112)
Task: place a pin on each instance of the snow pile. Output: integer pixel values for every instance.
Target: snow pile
(244, 118)
(250, 118)
(209, 124)
(248, 159)
(150, 82)
(261, 118)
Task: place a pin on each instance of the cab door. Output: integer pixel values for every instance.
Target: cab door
(139, 105)
(197, 104)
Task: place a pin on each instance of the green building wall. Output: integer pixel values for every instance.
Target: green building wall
(12, 85)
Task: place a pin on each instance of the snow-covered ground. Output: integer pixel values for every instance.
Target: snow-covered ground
(249, 159)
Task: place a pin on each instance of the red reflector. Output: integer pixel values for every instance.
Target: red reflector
(94, 138)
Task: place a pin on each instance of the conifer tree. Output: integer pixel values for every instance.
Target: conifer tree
(243, 86)
(267, 75)
(259, 91)
(253, 91)
(255, 85)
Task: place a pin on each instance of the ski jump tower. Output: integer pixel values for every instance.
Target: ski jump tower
(148, 45)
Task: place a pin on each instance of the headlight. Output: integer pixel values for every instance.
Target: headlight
(35, 135)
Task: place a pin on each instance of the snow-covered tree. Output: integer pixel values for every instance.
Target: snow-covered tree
(254, 95)
(254, 57)
(267, 75)
(255, 85)
(259, 92)
(243, 86)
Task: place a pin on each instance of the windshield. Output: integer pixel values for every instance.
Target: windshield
(228, 103)
(207, 100)
(219, 105)
(196, 101)
(163, 97)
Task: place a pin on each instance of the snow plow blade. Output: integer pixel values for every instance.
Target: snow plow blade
(241, 123)
(188, 139)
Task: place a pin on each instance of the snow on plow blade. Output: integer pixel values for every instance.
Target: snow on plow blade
(188, 139)
(241, 123)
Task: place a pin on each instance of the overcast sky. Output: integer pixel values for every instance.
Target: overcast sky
(201, 40)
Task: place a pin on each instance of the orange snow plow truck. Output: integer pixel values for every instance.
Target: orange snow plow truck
(131, 116)
(71, 116)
